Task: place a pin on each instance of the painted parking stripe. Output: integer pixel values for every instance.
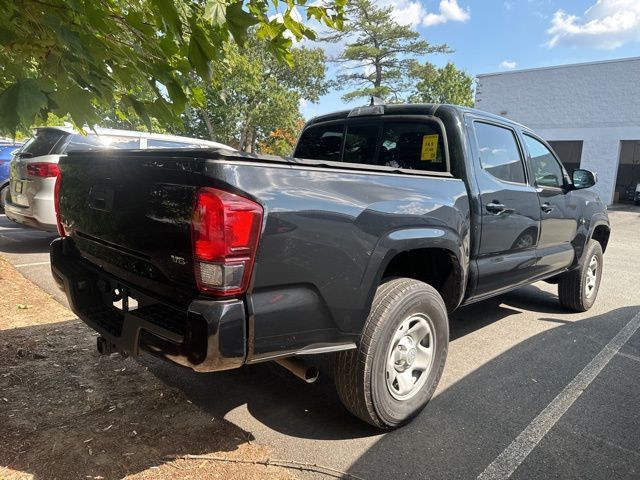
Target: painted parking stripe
(512, 457)
(31, 264)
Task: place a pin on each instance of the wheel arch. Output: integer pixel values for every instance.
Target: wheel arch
(432, 255)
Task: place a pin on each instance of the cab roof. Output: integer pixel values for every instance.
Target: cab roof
(407, 109)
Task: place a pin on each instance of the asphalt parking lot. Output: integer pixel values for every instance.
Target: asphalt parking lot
(529, 390)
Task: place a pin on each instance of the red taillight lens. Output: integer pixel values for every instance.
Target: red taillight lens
(225, 232)
(42, 169)
(56, 204)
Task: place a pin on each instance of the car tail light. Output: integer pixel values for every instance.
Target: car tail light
(225, 229)
(42, 169)
(56, 204)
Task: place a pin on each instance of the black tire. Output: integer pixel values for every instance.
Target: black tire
(573, 286)
(3, 195)
(361, 374)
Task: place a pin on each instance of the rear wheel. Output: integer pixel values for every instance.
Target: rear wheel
(392, 375)
(578, 289)
(3, 197)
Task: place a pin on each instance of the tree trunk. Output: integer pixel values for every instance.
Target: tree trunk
(254, 140)
(207, 122)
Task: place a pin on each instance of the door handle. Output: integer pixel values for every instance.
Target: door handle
(546, 207)
(495, 208)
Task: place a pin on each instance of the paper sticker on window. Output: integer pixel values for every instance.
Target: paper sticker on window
(429, 148)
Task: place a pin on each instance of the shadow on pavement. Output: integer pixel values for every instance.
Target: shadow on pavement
(66, 413)
(287, 405)
(16, 239)
(465, 427)
(70, 413)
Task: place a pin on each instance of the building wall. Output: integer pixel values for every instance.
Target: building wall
(598, 103)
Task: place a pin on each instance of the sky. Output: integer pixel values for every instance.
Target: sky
(498, 35)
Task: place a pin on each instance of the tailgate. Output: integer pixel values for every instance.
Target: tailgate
(131, 214)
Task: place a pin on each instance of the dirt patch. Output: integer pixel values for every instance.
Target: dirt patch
(67, 413)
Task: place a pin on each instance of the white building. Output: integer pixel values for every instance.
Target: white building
(589, 113)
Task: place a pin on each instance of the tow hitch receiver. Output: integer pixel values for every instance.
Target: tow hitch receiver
(105, 347)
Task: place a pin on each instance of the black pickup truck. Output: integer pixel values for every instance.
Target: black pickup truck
(386, 219)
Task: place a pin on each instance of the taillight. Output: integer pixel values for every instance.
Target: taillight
(225, 229)
(42, 169)
(56, 204)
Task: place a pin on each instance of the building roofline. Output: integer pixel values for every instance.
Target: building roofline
(557, 67)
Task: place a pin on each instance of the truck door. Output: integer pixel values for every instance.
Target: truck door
(510, 211)
(558, 208)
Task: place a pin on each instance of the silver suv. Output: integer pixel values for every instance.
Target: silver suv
(33, 171)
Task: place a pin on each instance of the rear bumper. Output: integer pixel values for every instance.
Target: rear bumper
(24, 216)
(206, 336)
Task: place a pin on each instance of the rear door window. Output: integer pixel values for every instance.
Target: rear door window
(44, 142)
(322, 142)
(499, 152)
(97, 142)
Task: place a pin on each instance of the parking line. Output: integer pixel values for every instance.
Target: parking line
(629, 356)
(31, 264)
(512, 457)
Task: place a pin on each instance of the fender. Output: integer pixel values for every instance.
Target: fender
(403, 240)
(585, 233)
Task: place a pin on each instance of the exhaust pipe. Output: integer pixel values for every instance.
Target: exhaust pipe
(308, 373)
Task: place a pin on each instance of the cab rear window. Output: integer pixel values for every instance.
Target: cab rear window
(413, 145)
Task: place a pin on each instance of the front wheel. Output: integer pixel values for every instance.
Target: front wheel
(393, 373)
(578, 289)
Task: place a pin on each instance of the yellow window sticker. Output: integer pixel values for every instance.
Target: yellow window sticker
(429, 148)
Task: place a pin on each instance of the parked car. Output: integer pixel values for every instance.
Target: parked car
(7, 148)
(34, 169)
(388, 219)
(636, 196)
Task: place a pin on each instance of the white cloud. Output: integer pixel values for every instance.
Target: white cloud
(607, 24)
(449, 11)
(406, 12)
(508, 64)
(413, 12)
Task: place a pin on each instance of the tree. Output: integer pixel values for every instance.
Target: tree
(441, 85)
(78, 57)
(379, 52)
(255, 96)
(281, 141)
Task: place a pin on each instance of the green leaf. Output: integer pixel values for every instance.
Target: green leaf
(20, 103)
(77, 102)
(198, 54)
(239, 22)
(214, 12)
(166, 10)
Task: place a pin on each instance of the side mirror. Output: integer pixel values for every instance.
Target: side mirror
(583, 179)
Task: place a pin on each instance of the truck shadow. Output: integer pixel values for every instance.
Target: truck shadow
(17, 239)
(70, 413)
(66, 413)
(287, 405)
(466, 426)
